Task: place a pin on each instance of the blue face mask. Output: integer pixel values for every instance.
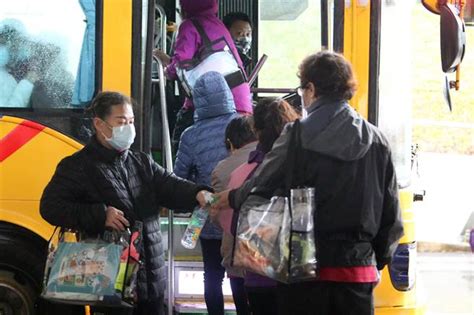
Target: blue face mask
(4, 56)
(122, 137)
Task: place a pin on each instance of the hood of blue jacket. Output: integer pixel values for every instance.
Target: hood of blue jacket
(212, 97)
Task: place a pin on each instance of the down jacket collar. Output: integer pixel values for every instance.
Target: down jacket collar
(103, 153)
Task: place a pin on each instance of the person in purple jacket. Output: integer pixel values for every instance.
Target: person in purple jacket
(189, 43)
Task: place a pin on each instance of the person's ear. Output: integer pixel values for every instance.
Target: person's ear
(312, 90)
(229, 145)
(97, 123)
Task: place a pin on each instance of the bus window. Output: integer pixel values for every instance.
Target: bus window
(288, 32)
(395, 89)
(43, 65)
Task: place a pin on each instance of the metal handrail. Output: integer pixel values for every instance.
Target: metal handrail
(169, 167)
(273, 90)
(167, 154)
(162, 13)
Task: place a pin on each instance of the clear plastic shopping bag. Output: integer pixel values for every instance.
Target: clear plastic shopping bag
(303, 263)
(275, 237)
(262, 237)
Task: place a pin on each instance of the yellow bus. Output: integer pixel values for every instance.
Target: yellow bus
(59, 53)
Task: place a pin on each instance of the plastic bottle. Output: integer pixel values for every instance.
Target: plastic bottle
(191, 235)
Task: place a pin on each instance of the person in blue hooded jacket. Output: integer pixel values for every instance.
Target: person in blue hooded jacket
(202, 146)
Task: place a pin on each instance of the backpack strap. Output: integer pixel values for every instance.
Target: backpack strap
(202, 33)
(206, 42)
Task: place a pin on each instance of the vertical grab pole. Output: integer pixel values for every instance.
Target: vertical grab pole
(330, 12)
(169, 167)
(168, 157)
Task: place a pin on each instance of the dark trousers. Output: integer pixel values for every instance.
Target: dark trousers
(213, 277)
(154, 307)
(239, 294)
(263, 301)
(326, 298)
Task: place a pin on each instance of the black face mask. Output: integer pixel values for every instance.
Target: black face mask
(243, 44)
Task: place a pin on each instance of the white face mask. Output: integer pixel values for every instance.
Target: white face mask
(122, 137)
(4, 56)
(304, 113)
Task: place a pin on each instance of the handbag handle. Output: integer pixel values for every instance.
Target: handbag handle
(292, 156)
(62, 230)
(291, 160)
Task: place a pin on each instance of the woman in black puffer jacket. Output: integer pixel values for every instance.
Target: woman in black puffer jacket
(106, 185)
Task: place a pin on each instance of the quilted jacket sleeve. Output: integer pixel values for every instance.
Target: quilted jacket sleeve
(174, 192)
(62, 203)
(184, 157)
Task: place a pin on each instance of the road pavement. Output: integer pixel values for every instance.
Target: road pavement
(447, 280)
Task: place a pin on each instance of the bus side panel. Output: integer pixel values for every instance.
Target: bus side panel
(29, 154)
(389, 300)
(117, 46)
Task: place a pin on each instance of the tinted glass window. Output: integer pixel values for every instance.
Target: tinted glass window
(47, 53)
(395, 96)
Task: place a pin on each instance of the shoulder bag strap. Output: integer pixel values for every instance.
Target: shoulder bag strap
(206, 42)
(205, 39)
(292, 156)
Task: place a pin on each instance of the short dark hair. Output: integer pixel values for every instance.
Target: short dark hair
(270, 117)
(239, 132)
(330, 73)
(230, 18)
(102, 103)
